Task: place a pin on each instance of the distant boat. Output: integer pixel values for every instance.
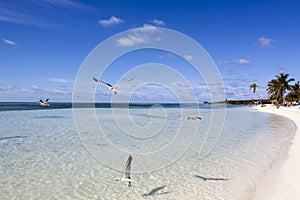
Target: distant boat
(44, 103)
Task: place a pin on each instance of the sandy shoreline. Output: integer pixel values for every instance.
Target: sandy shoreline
(282, 181)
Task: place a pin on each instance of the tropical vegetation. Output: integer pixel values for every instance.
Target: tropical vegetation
(278, 87)
(282, 90)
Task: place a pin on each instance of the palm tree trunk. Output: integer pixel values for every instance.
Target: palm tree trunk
(258, 97)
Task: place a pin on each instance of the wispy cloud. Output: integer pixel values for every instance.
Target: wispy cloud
(8, 88)
(238, 88)
(12, 16)
(60, 80)
(111, 21)
(67, 4)
(33, 93)
(141, 35)
(243, 61)
(179, 84)
(11, 13)
(60, 92)
(265, 42)
(224, 62)
(10, 42)
(240, 61)
(188, 57)
(157, 22)
(34, 88)
(36, 13)
(282, 70)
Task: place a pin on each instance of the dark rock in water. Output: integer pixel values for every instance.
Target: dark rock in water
(194, 118)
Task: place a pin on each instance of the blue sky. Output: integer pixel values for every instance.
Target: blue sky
(43, 44)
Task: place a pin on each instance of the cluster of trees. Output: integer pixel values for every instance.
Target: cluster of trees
(279, 86)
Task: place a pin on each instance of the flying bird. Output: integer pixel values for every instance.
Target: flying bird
(44, 103)
(126, 177)
(113, 88)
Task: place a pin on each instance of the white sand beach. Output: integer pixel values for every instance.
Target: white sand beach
(283, 180)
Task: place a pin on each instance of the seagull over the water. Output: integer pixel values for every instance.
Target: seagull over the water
(113, 88)
(44, 103)
(126, 177)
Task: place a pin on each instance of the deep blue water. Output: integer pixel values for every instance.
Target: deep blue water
(9, 106)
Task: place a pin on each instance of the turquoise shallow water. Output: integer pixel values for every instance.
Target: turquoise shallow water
(44, 156)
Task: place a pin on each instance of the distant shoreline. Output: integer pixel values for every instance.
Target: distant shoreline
(231, 102)
(11, 106)
(244, 102)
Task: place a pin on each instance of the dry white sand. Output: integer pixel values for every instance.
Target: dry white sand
(283, 181)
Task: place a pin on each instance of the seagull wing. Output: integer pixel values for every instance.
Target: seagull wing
(46, 101)
(41, 101)
(99, 81)
(124, 83)
(128, 167)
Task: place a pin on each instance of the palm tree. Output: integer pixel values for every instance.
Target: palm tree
(277, 87)
(254, 86)
(272, 89)
(283, 84)
(294, 92)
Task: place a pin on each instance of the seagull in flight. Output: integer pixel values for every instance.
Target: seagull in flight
(44, 103)
(126, 177)
(113, 88)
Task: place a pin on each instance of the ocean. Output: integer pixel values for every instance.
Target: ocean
(60, 152)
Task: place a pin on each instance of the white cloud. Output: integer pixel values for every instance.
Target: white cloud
(148, 28)
(265, 42)
(111, 21)
(8, 42)
(188, 57)
(157, 22)
(243, 61)
(132, 40)
(60, 80)
(141, 35)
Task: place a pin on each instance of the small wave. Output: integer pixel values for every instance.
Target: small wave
(50, 117)
(12, 137)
